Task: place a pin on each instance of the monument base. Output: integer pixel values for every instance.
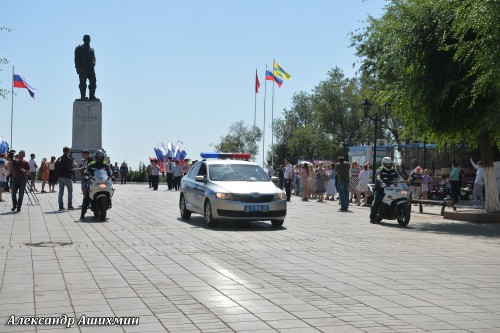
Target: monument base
(87, 128)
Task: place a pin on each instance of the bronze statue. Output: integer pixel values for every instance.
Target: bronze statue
(84, 64)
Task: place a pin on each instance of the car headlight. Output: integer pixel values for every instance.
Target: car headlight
(280, 196)
(225, 196)
(102, 186)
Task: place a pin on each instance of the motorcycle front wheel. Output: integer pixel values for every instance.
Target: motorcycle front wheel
(102, 207)
(404, 214)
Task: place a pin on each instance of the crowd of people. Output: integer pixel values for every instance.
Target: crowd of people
(325, 181)
(329, 180)
(320, 181)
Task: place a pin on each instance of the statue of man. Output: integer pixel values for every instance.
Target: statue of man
(84, 64)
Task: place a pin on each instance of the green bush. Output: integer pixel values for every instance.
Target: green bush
(138, 175)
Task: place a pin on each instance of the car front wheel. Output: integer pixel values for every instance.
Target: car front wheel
(209, 219)
(185, 214)
(277, 223)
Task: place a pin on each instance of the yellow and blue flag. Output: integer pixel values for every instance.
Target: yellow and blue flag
(278, 71)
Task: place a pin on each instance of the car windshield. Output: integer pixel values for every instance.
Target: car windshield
(237, 173)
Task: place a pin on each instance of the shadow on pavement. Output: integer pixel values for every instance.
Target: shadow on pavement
(227, 225)
(463, 229)
(56, 212)
(92, 220)
(396, 225)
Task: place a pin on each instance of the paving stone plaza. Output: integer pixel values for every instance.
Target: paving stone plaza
(324, 271)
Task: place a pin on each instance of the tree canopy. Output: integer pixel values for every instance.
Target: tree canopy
(322, 124)
(240, 139)
(436, 61)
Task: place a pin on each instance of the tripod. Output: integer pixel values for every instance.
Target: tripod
(30, 193)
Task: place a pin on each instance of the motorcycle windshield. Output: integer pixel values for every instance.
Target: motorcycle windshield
(100, 175)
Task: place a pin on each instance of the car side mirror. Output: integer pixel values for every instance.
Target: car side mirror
(274, 179)
(199, 178)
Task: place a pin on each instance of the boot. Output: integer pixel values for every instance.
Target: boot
(92, 93)
(83, 89)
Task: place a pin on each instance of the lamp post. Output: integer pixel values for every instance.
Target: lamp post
(375, 118)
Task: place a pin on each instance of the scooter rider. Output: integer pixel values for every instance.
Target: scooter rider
(97, 164)
(386, 175)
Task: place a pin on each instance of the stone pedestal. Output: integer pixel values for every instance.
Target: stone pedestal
(87, 126)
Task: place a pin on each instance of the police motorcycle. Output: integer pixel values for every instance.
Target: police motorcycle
(395, 203)
(100, 187)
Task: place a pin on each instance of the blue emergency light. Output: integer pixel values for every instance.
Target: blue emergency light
(243, 156)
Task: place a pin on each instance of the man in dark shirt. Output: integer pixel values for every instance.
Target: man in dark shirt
(64, 166)
(342, 170)
(124, 173)
(20, 169)
(386, 175)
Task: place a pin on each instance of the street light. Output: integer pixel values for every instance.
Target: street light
(375, 118)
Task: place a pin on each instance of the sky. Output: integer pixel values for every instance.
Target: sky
(167, 70)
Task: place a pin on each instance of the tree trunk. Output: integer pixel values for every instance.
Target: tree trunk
(492, 201)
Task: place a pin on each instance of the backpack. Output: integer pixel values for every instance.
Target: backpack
(59, 168)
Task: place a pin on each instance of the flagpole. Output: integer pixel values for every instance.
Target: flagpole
(12, 108)
(255, 103)
(264, 126)
(272, 120)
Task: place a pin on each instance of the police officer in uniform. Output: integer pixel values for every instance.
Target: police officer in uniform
(97, 164)
(386, 175)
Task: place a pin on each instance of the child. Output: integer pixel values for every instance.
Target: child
(425, 184)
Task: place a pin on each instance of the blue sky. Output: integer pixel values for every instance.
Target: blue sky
(167, 70)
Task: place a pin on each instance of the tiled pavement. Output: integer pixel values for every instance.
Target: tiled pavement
(324, 271)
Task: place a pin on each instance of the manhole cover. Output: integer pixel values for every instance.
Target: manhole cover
(48, 244)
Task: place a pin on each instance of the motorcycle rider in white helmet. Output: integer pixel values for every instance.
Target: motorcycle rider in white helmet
(385, 175)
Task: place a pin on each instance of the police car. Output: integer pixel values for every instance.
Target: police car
(226, 186)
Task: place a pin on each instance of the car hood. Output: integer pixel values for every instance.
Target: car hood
(246, 187)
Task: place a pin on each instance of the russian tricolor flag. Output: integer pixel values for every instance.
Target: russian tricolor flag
(20, 82)
(271, 77)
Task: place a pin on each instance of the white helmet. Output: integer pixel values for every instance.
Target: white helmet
(387, 163)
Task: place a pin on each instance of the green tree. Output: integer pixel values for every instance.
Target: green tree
(337, 106)
(137, 175)
(240, 139)
(436, 61)
(298, 134)
(325, 123)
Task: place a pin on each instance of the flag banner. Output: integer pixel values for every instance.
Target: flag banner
(4, 146)
(159, 155)
(257, 83)
(278, 71)
(170, 150)
(271, 77)
(20, 82)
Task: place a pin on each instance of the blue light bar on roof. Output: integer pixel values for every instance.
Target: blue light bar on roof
(244, 156)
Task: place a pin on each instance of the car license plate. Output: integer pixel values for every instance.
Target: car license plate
(257, 208)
